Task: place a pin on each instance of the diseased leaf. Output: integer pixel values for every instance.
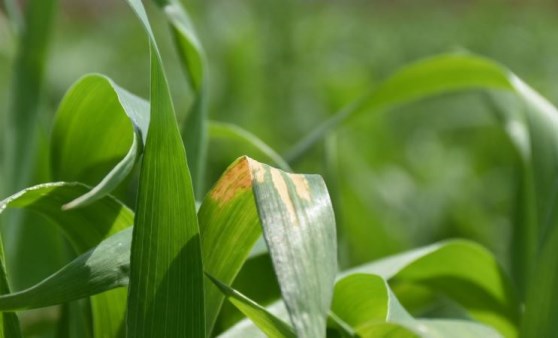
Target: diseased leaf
(299, 229)
(229, 221)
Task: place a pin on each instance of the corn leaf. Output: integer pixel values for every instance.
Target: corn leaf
(482, 288)
(233, 132)
(166, 274)
(230, 221)
(192, 59)
(100, 220)
(93, 104)
(532, 130)
(263, 319)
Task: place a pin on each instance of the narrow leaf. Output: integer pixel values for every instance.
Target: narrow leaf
(192, 58)
(263, 319)
(235, 133)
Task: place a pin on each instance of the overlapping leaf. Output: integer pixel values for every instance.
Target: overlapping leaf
(96, 222)
(532, 128)
(462, 270)
(192, 58)
(166, 266)
(230, 225)
(109, 124)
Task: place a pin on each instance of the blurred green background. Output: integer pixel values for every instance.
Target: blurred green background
(438, 169)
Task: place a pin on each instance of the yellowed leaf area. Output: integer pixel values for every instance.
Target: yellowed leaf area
(239, 176)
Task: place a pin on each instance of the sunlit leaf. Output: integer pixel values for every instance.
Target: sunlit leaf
(96, 222)
(105, 122)
(166, 261)
(463, 271)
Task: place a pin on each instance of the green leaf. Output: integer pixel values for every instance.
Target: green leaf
(166, 273)
(362, 299)
(193, 61)
(482, 287)
(235, 133)
(230, 226)
(97, 118)
(21, 125)
(100, 220)
(532, 129)
(541, 304)
(263, 319)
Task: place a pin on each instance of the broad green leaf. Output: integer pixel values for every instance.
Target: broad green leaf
(463, 271)
(363, 299)
(192, 58)
(96, 222)
(533, 130)
(428, 328)
(235, 133)
(102, 268)
(230, 226)
(166, 274)
(104, 121)
(263, 319)
(367, 304)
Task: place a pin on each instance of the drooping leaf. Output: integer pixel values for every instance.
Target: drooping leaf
(105, 122)
(263, 319)
(230, 226)
(532, 130)
(166, 269)
(100, 220)
(463, 271)
(250, 193)
(235, 133)
(299, 229)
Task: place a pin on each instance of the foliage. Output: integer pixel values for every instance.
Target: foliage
(148, 251)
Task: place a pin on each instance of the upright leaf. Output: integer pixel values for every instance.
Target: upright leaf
(192, 59)
(166, 274)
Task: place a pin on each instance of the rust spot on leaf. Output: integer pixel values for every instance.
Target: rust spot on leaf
(281, 187)
(236, 178)
(301, 186)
